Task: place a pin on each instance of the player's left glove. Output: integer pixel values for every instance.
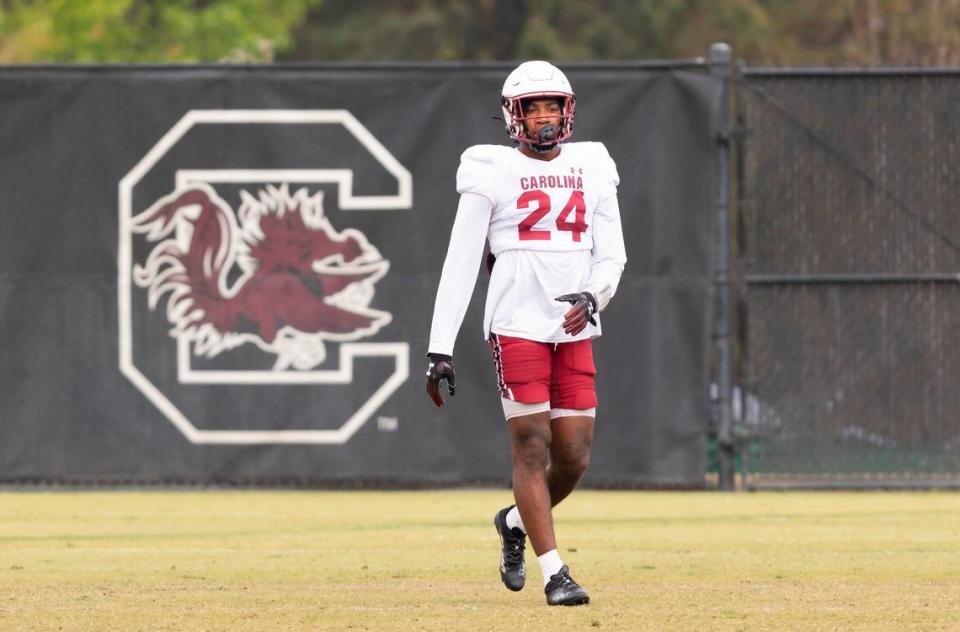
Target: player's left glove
(577, 317)
(440, 369)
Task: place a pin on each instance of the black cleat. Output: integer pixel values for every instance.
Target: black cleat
(513, 572)
(563, 591)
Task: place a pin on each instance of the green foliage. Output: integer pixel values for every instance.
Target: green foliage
(429, 30)
(760, 31)
(778, 32)
(147, 30)
(512, 29)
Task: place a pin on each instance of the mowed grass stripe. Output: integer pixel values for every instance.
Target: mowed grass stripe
(260, 560)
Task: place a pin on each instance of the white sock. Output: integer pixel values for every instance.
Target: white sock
(513, 519)
(550, 564)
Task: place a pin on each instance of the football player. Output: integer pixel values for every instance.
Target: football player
(549, 211)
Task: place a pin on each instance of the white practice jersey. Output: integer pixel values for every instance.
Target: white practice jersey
(554, 227)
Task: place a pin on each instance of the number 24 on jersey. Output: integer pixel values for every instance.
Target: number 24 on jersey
(575, 210)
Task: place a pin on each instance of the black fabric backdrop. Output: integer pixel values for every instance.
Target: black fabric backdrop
(68, 413)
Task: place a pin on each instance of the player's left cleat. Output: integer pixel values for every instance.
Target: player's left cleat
(562, 590)
(513, 572)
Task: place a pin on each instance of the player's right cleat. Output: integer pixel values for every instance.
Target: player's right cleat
(563, 591)
(513, 572)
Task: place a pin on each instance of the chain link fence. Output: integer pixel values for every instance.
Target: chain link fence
(848, 241)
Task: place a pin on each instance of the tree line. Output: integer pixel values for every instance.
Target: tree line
(762, 32)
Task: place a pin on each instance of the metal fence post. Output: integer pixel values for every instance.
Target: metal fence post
(720, 67)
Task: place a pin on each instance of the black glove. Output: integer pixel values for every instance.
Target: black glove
(439, 369)
(577, 317)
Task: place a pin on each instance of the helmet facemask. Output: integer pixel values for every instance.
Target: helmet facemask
(549, 136)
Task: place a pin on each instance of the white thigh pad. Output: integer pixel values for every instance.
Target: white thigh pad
(513, 409)
(573, 412)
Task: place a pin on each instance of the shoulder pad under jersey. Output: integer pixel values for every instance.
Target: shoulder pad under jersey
(477, 172)
(599, 155)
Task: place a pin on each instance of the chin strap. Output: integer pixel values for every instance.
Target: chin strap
(542, 148)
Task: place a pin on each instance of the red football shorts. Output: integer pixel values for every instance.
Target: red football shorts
(531, 372)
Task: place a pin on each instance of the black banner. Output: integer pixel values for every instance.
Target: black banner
(226, 275)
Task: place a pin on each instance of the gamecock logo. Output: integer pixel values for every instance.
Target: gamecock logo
(248, 308)
(300, 281)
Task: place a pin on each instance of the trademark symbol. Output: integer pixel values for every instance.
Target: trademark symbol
(387, 424)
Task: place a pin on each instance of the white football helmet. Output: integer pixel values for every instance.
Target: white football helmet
(536, 79)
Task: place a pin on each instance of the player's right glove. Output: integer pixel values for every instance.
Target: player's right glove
(440, 369)
(577, 317)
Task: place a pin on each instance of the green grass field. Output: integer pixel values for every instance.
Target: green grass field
(428, 561)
